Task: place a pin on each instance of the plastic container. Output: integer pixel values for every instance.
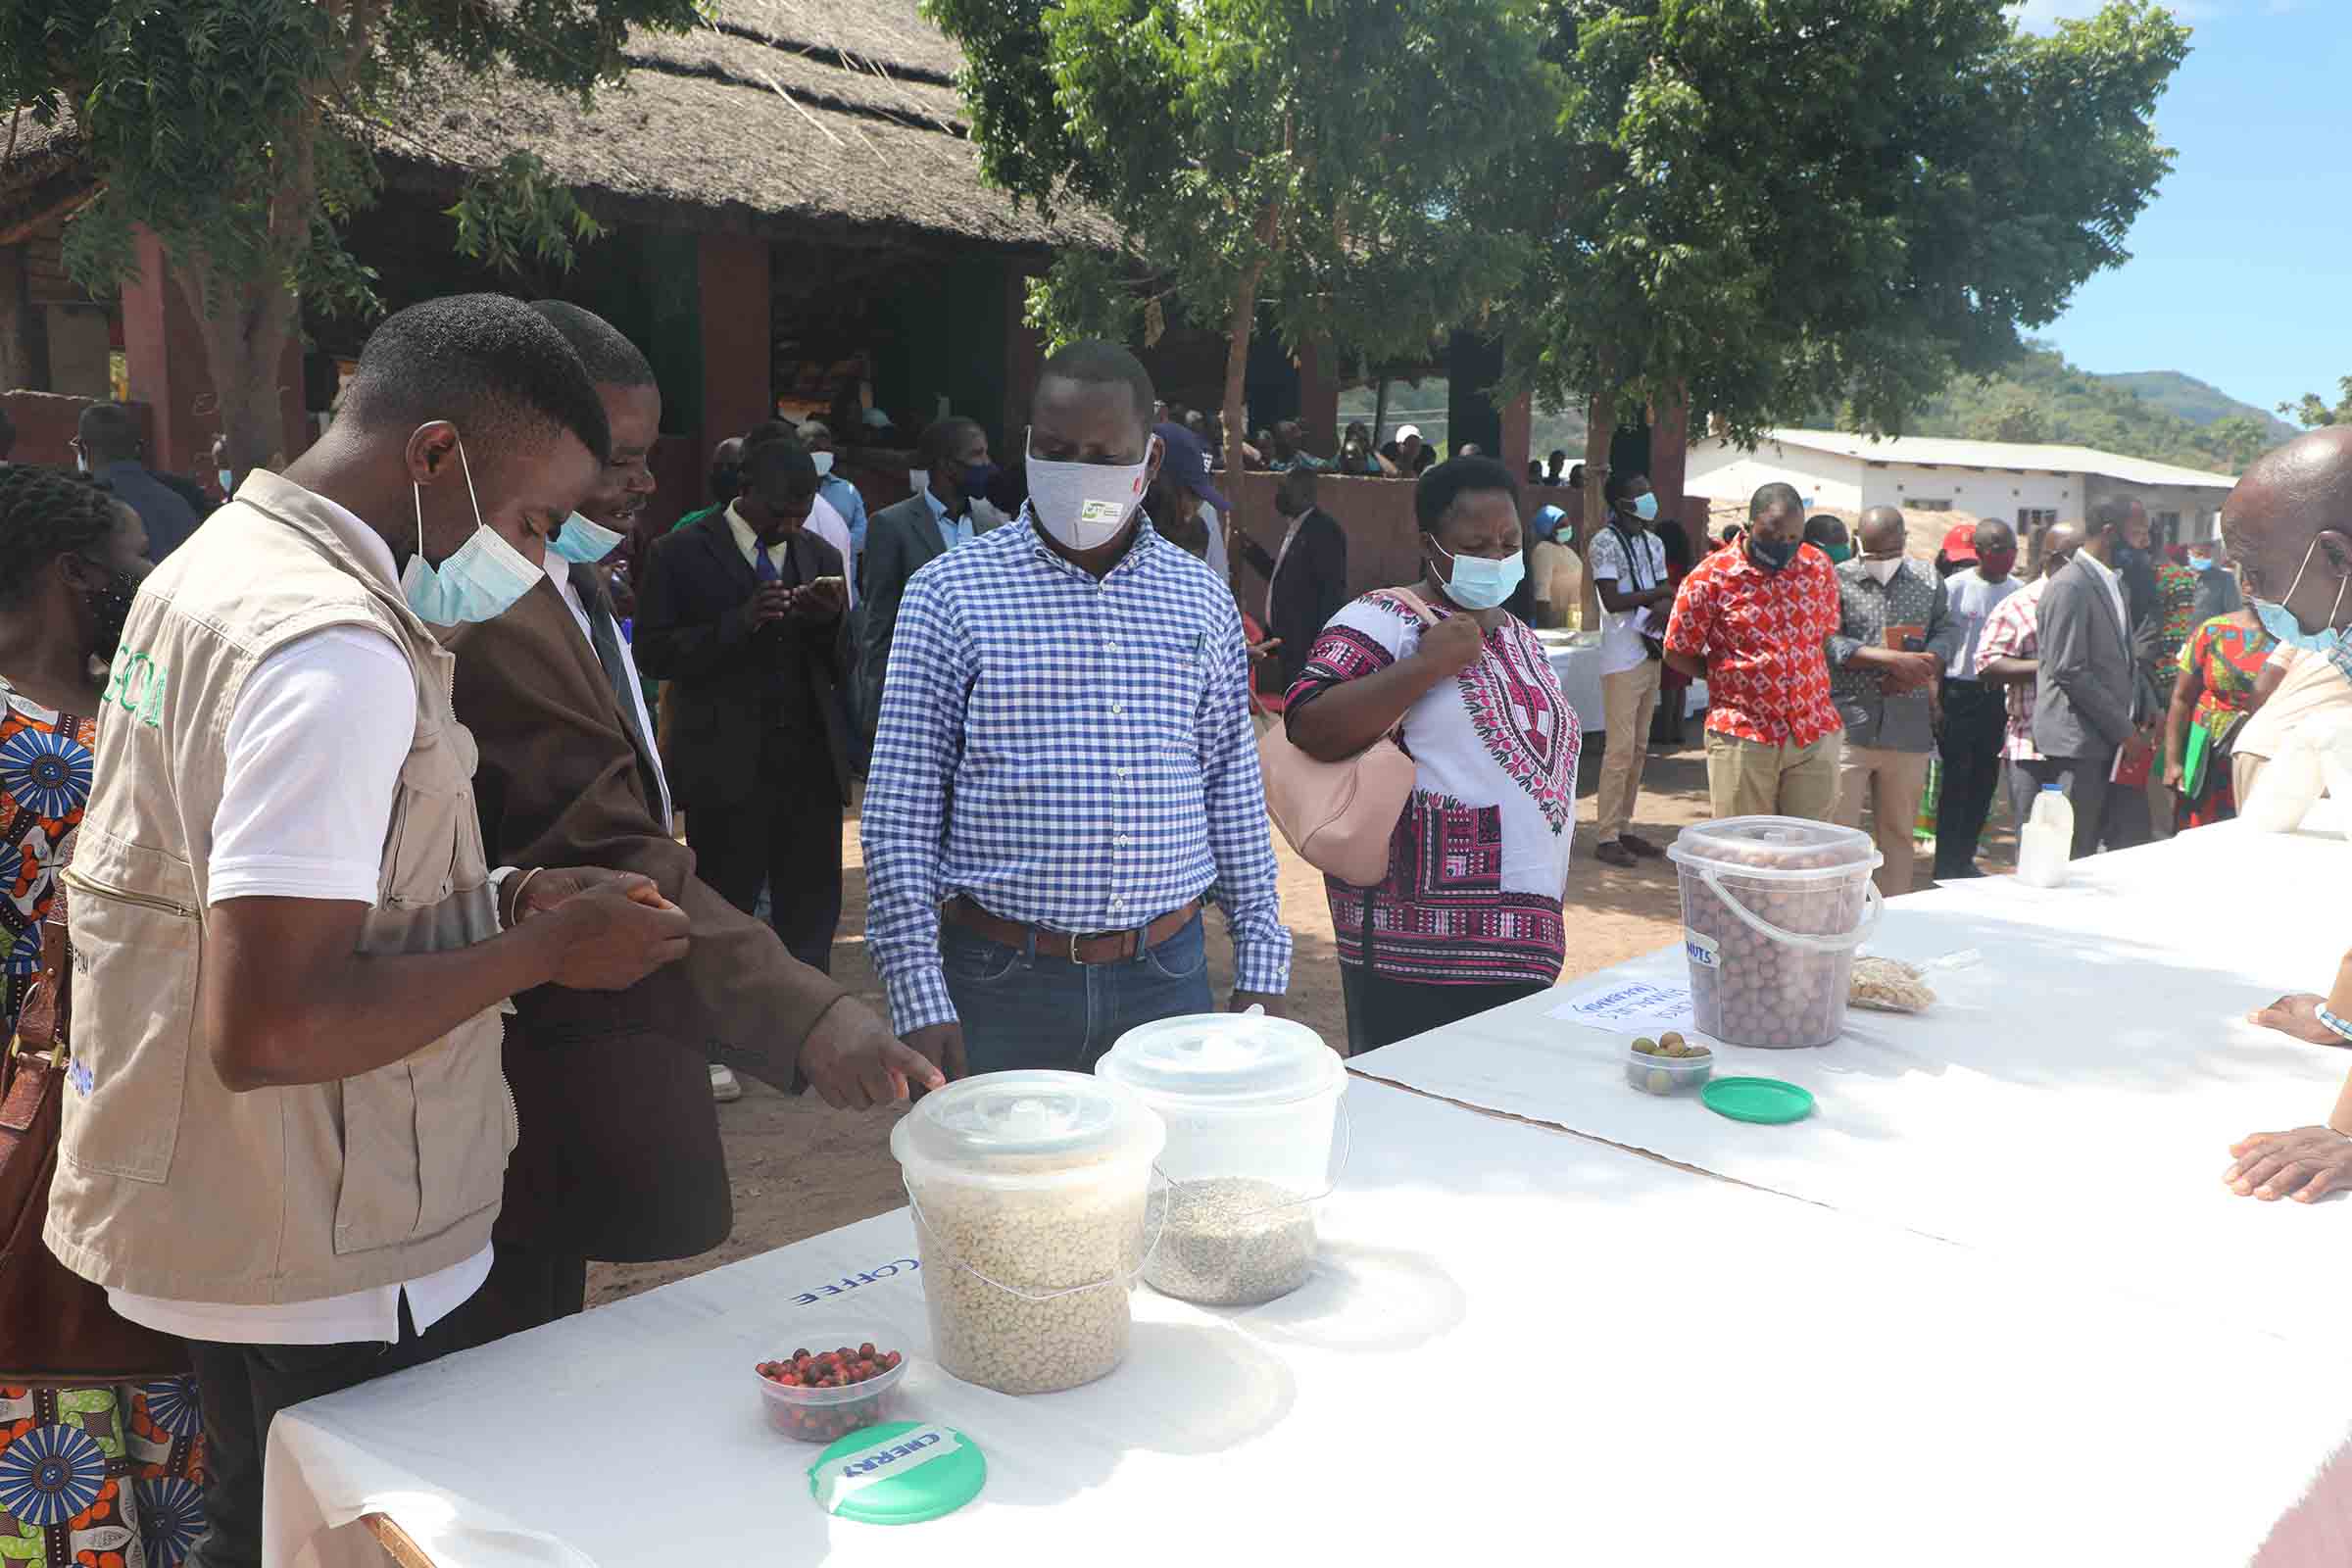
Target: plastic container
(1772, 910)
(825, 1415)
(1029, 1191)
(2045, 845)
(1668, 1075)
(1251, 1107)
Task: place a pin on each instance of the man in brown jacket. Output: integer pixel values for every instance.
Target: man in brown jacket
(620, 1158)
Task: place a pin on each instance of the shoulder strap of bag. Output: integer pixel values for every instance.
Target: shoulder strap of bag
(1429, 616)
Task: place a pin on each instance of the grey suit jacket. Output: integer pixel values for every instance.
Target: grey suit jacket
(2086, 694)
(900, 539)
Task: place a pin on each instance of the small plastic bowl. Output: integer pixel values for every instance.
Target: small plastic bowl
(826, 1416)
(1667, 1075)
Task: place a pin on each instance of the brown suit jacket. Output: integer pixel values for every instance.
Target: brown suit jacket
(620, 1158)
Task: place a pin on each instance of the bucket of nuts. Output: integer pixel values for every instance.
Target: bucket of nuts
(1251, 1104)
(1029, 1192)
(1772, 910)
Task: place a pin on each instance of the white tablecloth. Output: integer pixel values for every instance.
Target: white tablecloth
(1577, 663)
(2071, 1098)
(1515, 1343)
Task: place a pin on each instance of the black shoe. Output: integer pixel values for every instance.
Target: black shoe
(1614, 852)
(1642, 847)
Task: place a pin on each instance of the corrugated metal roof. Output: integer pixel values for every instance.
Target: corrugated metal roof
(1953, 453)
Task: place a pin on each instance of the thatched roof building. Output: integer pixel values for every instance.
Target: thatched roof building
(794, 209)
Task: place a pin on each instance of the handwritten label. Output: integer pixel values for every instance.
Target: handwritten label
(1629, 1006)
(851, 1282)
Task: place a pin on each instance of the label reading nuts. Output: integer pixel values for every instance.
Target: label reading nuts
(1703, 948)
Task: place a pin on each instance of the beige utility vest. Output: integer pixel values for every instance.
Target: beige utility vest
(167, 1184)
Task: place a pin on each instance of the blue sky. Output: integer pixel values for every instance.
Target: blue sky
(2238, 265)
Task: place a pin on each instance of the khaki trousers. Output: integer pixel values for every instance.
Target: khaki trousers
(2243, 772)
(1628, 699)
(1747, 779)
(1893, 781)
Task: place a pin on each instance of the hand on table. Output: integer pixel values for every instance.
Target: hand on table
(2299, 1018)
(2305, 1164)
(852, 1060)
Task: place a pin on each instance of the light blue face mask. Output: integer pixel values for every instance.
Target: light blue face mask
(584, 541)
(2280, 622)
(2200, 563)
(1475, 582)
(1645, 506)
(479, 581)
(227, 482)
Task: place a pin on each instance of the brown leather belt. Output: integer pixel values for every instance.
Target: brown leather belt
(1108, 947)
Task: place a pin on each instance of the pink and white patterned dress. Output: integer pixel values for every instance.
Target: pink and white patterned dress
(1478, 867)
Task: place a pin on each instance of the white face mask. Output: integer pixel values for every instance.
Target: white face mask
(479, 581)
(823, 462)
(1085, 505)
(1883, 571)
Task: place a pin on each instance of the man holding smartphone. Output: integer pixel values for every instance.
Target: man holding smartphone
(1895, 636)
(743, 613)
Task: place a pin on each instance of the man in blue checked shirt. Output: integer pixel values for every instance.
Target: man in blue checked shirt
(1063, 767)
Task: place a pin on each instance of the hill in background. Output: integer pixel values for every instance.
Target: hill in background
(2197, 402)
(2163, 416)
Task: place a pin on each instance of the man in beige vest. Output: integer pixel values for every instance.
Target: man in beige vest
(288, 1126)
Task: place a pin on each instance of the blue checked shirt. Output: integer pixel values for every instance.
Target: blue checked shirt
(1068, 753)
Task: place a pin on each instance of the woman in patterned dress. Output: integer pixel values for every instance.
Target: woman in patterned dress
(100, 1475)
(1469, 917)
(2221, 666)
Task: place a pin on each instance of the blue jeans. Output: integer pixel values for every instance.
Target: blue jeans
(1024, 1008)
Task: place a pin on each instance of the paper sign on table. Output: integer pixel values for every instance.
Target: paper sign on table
(1628, 1004)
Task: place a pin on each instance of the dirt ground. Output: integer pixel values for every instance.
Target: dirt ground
(800, 1169)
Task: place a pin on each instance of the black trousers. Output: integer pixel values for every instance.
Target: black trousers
(787, 836)
(1975, 719)
(1381, 1010)
(243, 1387)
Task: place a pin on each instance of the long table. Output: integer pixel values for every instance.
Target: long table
(1518, 1340)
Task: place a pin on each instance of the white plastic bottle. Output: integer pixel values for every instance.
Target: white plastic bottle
(2046, 843)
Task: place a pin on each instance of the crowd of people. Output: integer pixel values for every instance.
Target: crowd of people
(389, 995)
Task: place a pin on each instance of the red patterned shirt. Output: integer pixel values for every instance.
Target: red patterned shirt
(1761, 633)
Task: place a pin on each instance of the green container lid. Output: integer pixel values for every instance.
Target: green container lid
(1760, 1099)
(897, 1473)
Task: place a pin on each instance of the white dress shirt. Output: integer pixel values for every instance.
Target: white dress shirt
(823, 521)
(558, 573)
(2114, 581)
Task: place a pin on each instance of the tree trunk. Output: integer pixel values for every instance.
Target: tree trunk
(1380, 412)
(244, 348)
(1238, 324)
(1601, 427)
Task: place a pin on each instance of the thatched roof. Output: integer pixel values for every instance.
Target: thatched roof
(790, 118)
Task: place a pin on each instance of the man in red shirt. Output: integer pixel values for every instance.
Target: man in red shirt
(1752, 621)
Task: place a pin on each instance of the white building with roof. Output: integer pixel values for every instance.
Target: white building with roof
(2028, 484)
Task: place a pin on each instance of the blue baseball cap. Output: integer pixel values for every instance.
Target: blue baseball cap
(1185, 462)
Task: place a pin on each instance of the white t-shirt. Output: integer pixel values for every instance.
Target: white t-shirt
(312, 768)
(558, 573)
(1971, 600)
(1605, 561)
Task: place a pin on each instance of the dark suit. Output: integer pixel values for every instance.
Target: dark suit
(618, 1156)
(900, 541)
(2086, 705)
(759, 745)
(1308, 590)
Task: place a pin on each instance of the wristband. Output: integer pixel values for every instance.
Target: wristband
(2328, 1021)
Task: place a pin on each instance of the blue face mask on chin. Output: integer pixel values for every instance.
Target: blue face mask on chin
(479, 581)
(583, 541)
(1475, 582)
(2280, 622)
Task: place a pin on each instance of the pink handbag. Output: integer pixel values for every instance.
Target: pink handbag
(1340, 815)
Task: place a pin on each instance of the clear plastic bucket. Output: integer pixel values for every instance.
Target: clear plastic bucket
(1251, 1104)
(1772, 910)
(1030, 1193)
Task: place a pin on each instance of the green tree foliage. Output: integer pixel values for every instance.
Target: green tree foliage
(241, 131)
(1770, 207)
(2038, 396)
(1312, 158)
(2312, 412)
